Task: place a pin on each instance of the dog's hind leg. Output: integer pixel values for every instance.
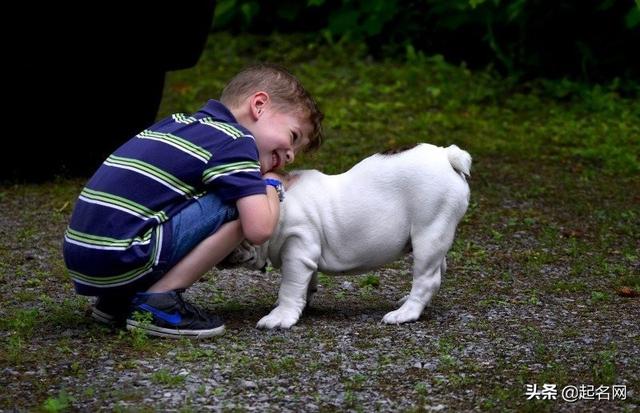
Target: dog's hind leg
(430, 246)
(443, 270)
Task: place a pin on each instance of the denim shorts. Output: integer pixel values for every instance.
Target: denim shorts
(188, 227)
(195, 223)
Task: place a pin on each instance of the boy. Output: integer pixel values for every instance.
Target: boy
(174, 200)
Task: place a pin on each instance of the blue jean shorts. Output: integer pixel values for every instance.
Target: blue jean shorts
(195, 223)
(188, 227)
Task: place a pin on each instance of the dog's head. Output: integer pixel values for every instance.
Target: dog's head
(247, 255)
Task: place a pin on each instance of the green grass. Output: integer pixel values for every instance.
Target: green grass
(165, 378)
(373, 105)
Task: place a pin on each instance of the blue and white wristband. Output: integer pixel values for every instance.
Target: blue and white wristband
(277, 185)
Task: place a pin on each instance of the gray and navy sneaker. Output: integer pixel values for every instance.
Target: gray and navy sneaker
(171, 316)
(111, 310)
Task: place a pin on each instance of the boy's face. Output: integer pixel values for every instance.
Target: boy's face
(279, 137)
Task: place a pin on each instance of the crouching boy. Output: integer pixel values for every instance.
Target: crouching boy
(178, 197)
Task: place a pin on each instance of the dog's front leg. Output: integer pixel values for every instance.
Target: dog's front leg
(297, 271)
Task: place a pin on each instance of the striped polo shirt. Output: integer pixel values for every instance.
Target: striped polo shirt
(116, 234)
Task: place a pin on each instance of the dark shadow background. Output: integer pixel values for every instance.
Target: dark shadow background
(86, 76)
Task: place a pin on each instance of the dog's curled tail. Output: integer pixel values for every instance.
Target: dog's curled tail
(460, 160)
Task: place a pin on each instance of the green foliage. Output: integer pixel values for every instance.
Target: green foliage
(139, 336)
(361, 19)
(632, 20)
(522, 38)
(166, 378)
(23, 322)
(371, 280)
(371, 106)
(57, 404)
(228, 12)
(604, 367)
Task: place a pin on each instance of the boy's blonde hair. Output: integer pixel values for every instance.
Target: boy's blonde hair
(285, 90)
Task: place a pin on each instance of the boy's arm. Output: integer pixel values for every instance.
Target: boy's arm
(259, 215)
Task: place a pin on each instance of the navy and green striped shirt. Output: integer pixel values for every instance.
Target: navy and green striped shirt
(116, 234)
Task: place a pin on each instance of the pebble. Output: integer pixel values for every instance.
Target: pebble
(247, 384)
(347, 285)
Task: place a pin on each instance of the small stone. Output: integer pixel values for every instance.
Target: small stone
(247, 384)
(347, 285)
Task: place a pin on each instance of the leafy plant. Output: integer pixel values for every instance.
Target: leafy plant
(57, 404)
(139, 336)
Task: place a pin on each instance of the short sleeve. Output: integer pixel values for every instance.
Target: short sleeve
(233, 172)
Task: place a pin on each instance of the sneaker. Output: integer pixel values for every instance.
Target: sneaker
(172, 317)
(111, 310)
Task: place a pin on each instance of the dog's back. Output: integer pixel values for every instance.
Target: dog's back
(382, 199)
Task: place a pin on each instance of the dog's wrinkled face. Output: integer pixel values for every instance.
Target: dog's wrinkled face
(247, 255)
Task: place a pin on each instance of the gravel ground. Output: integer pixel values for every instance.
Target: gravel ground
(532, 296)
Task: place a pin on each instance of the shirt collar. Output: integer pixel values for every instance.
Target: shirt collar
(218, 111)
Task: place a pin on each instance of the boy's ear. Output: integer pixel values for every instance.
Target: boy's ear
(258, 103)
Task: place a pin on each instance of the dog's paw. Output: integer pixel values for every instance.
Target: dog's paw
(400, 316)
(279, 318)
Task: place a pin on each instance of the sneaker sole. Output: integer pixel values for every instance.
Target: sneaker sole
(102, 317)
(174, 333)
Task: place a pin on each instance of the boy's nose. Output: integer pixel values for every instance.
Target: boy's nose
(290, 155)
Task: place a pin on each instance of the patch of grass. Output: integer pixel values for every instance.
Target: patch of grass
(564, 286)
(604, 367)
(599, 297)
(166, 378)
(285, 364)
(139, 336)
(68, 312)
(631, 281)
(23, 322)
(326, 280)
(195, 353)
(534, 298)
(355, 382)
(370, 280)
(57, 404)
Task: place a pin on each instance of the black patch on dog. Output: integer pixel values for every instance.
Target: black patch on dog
(393, 151)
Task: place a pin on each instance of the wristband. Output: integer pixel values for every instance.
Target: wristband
(277, 185)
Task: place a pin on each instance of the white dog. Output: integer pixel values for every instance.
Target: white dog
(384, 206)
